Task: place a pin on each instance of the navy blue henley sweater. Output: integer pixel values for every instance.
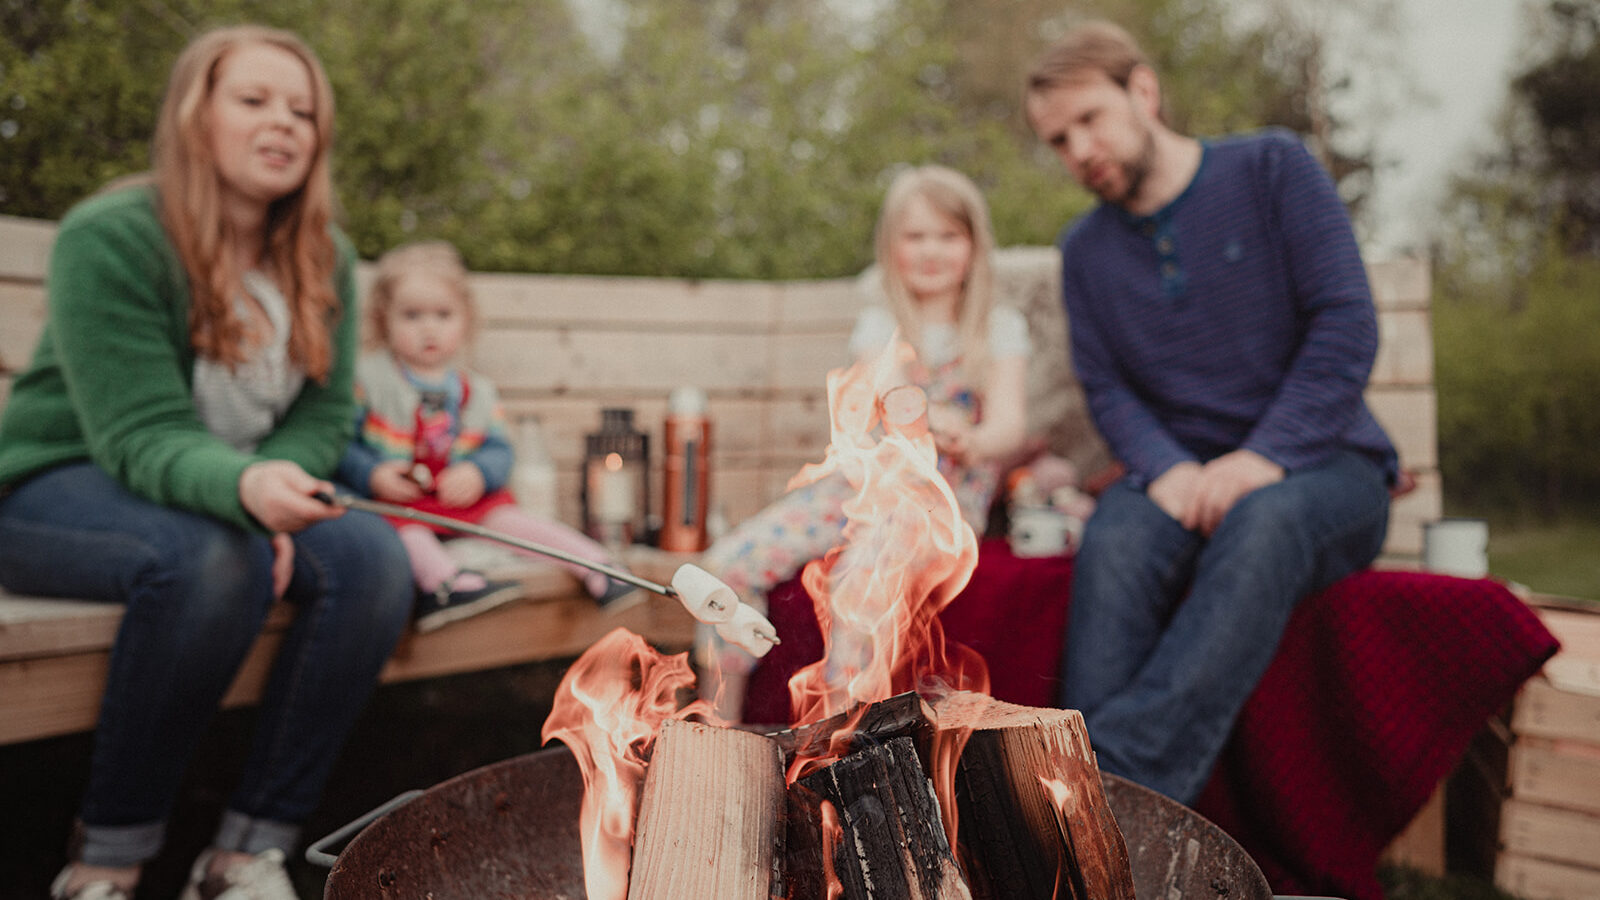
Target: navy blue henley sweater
(1238, 316)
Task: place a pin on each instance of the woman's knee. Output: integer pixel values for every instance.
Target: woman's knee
(205, 579)
(359, 559)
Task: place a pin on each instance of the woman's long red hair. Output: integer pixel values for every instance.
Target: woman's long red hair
(299, 251)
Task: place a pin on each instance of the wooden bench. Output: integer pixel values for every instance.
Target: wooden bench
(561, 349)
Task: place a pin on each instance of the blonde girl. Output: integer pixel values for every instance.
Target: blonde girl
(934, 248)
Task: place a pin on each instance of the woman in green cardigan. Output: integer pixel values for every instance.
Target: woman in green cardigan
(189, 396)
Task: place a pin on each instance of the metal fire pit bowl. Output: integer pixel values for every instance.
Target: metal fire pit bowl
(510, 829)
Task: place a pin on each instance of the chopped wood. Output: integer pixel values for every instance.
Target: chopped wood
(901, 715)
(807, 847)
(710, 820)
(893, 844)
(1034, 819)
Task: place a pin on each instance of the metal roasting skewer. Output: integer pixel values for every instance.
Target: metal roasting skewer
(350, 501)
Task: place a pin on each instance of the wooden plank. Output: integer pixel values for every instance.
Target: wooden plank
(1574, 674)
(1401, 283)
(802, 361)
(43, 626)
(525, 631)
(1544, 832)
(51, 695)
(586, 359)
(1408, 515)
(1544, 710)
(1536, 879)
(1410, 415)
(22, 309)
(1556, 773)
(1405, 348)
(1578, 632)
(665, 305)
(33, 627)
(824, 306)
(714, 798)
(25, 248)
(1421, 845)
(57, 695)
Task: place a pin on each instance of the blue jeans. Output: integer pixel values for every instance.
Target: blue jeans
(197, 592)
(1169, 632)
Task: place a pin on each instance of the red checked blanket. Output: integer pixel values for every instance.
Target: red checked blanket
(1380, 682)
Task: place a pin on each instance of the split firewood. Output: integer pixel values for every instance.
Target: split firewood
(711, 818)
(904, 715)
(807, 845)
(892, 842)
(1034, 821)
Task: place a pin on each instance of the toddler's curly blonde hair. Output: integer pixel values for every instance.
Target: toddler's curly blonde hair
(437, 259)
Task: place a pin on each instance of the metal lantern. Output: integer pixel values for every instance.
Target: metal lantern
(616, 480)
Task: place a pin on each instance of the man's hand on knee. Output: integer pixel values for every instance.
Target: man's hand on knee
(1175, 490)
(1225, 480)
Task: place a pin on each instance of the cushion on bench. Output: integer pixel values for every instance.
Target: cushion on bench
(1379, 684)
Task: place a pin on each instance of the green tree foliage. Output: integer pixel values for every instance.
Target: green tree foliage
(1518, 288)
(1561, 93)
(1518, 424)
(79, 85)
(721, 138)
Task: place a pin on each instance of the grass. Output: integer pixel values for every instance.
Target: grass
(1401, 883)
(1562, 558)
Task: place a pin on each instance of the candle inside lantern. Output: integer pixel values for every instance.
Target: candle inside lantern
(615, 503)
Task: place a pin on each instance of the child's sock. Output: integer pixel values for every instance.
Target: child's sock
(431, 564)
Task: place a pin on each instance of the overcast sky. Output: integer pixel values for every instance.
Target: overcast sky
(1460, 52)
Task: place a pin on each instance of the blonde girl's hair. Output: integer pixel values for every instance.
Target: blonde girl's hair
(299, 246)
(956, 196)
(436, 259)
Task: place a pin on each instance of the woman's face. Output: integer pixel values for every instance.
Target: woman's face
(931, 251)
(427, 324)
(261, 120)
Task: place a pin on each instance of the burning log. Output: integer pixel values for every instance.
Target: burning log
(711, 816)
(892, 842)
(810, 834)
(903, 715)
(1034, 819)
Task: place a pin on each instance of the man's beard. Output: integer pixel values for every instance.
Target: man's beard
(1134, 172)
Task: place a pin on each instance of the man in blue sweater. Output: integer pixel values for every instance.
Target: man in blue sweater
(1223, 330)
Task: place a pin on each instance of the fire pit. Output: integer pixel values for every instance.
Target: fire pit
(510, 830)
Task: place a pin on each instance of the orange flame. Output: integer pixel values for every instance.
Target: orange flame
(907, 552)
(607, 710)
(832, 836)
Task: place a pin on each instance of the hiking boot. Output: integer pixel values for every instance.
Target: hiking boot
(445, 605)
(262, 877)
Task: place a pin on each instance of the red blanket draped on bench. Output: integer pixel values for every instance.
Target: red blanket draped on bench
(1380, 682)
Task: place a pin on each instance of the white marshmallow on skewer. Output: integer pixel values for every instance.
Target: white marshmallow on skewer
(703, 595)
(750, 630)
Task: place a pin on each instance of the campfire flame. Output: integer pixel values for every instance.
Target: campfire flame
(607, 710)
(907, 551)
